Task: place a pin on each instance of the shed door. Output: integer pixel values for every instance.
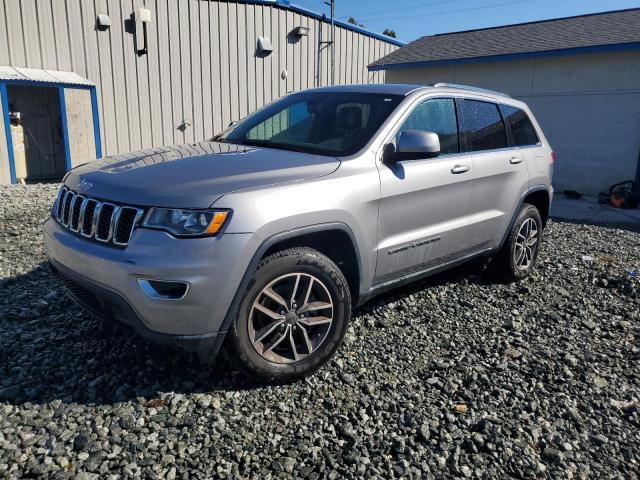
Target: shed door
(82, 144)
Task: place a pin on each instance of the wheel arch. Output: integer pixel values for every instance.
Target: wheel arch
(537, 196)
(314, 236)
(336, 242)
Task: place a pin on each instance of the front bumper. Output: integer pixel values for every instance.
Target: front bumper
(104, 280)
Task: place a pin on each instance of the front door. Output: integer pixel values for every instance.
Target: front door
(424, 203)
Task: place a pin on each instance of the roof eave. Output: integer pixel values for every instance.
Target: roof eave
(287, 5)
(508, 56)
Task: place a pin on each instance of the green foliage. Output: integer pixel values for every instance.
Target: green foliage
(389, 33)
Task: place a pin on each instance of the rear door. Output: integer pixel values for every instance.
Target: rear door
(522, 134)
(500, 171)
(424, 203)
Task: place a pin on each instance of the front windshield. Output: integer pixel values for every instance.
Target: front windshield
(324, 123)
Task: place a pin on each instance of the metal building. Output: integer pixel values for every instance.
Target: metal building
(84, 78)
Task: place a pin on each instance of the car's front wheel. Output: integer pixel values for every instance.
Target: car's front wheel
(292, 318)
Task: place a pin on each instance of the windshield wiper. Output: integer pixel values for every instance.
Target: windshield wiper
(270, 144)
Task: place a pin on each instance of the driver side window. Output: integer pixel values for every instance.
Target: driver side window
(437, 115)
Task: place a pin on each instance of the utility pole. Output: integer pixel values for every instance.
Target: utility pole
(332, 4)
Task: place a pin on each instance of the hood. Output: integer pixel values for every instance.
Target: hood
(192, 176)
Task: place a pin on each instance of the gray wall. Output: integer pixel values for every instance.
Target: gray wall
(201, 65)
(588, 106)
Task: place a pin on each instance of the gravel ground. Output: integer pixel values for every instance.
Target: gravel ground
(456, 376)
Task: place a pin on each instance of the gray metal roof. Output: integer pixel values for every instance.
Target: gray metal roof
(582, 32)
(42, 76)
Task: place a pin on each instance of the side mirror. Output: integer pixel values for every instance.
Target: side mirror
(414, 145)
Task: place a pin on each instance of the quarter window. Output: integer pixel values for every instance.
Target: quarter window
(482, 126)
(522, 130)
(437, 115)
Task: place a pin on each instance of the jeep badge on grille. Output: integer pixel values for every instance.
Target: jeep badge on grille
(85, 185)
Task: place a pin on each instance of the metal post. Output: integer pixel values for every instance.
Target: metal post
(332, 41)
(333, 44)
(4, 111)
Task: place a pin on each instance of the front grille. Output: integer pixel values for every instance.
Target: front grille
(102, 221)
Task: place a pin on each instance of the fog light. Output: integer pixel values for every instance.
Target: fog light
(163, 289)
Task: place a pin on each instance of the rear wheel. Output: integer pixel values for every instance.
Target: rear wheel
(292, 318)
(519, 254)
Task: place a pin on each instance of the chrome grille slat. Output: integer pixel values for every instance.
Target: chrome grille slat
(105, 222)
(96, 219)
(66, 208)
(60, 203)
(128, 218)
(74, 214)
(83, 208)
(89, 218)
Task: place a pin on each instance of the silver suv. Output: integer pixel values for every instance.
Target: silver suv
(263, 239)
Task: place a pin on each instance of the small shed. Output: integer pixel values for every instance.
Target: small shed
(50, 123)
(580, 76)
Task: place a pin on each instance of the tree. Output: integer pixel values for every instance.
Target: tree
(389, 33)
(352, 21)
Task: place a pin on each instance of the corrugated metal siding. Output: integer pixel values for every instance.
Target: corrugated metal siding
(201, 71)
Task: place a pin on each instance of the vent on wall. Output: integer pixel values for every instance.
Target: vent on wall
(264, 47)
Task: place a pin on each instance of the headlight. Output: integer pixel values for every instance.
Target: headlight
(186, 223)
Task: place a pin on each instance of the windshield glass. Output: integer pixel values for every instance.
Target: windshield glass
(324, 123)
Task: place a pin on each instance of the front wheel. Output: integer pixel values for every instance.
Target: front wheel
(518, 255)
(292, 318)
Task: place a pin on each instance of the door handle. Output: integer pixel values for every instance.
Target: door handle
(460, 169)
(515, 160)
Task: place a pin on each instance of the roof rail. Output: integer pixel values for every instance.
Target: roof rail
(467, 87)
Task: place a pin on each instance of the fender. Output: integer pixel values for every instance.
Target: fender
(538, 188)
(269, 242)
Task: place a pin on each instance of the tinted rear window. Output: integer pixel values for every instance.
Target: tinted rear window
(522, 130)
(482, 126)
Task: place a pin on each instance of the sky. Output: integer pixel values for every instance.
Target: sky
(412, 19)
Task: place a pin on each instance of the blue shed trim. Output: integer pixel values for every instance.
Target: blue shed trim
(615, 47)
(65, 131)
(34, 83)
(96, 122)
(320, 16)
(4, 100)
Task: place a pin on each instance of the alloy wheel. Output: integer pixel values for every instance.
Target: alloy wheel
(290, 318)
(526, 244)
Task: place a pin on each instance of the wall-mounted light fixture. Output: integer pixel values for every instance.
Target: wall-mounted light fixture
(264, 47)
(143, 15)
(103, 22)
(300, 32)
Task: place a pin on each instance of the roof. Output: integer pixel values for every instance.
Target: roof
(593, 32)
(19, 74)
(287, 5)
(405, 89)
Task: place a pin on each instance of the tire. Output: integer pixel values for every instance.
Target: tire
(257, 339)
(527, 228)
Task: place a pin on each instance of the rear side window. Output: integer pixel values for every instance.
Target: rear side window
(522, 131)
(437, 115)
(482, 126)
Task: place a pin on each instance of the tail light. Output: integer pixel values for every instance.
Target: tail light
(553, 157)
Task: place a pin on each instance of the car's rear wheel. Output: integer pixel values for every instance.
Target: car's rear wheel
(519, 254)
(292, 318)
